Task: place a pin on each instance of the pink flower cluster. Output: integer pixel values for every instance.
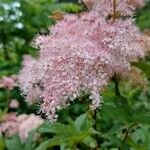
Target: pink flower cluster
(80, 53)
(20, 125)
(8, 82)
(124, 7)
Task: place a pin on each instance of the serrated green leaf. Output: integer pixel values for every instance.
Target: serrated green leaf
(71, 134)
(52, 128)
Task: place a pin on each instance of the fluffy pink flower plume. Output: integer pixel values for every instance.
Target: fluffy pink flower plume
(106, 7)
(8, 82)
(20, 125)
(80, 53)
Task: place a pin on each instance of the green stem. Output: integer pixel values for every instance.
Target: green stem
(95, 127)
(6, 55)
(116, 81)
(8, 97)
(127, 133)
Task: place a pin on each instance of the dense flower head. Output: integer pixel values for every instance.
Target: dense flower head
(8, 125)
(21, 125)
(8, 82)
(122, 7)
(80, 53)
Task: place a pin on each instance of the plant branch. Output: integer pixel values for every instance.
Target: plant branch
(86, 8)
(127, 133)
(116, 81)
(114, 9)
(95, 127)
(6, 55)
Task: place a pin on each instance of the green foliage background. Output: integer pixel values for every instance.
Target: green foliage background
(123, 122)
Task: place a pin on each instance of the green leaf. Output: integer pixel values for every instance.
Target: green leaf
(49, 143)
(119, 108)
(14, 143)
(70, 7)
(29, 143)
(2, 143)
(134, 145)
(77, 138)
(91, 142)
(133, 94)
(141, 115)
(144, 66)
(71, 134)
(80, 121)
(142, 136)
(52, 128)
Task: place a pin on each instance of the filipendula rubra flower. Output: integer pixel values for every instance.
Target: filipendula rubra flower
(22, 124)
(80, 53)
(122, 7)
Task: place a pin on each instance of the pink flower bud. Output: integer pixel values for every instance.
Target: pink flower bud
(14, 104)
